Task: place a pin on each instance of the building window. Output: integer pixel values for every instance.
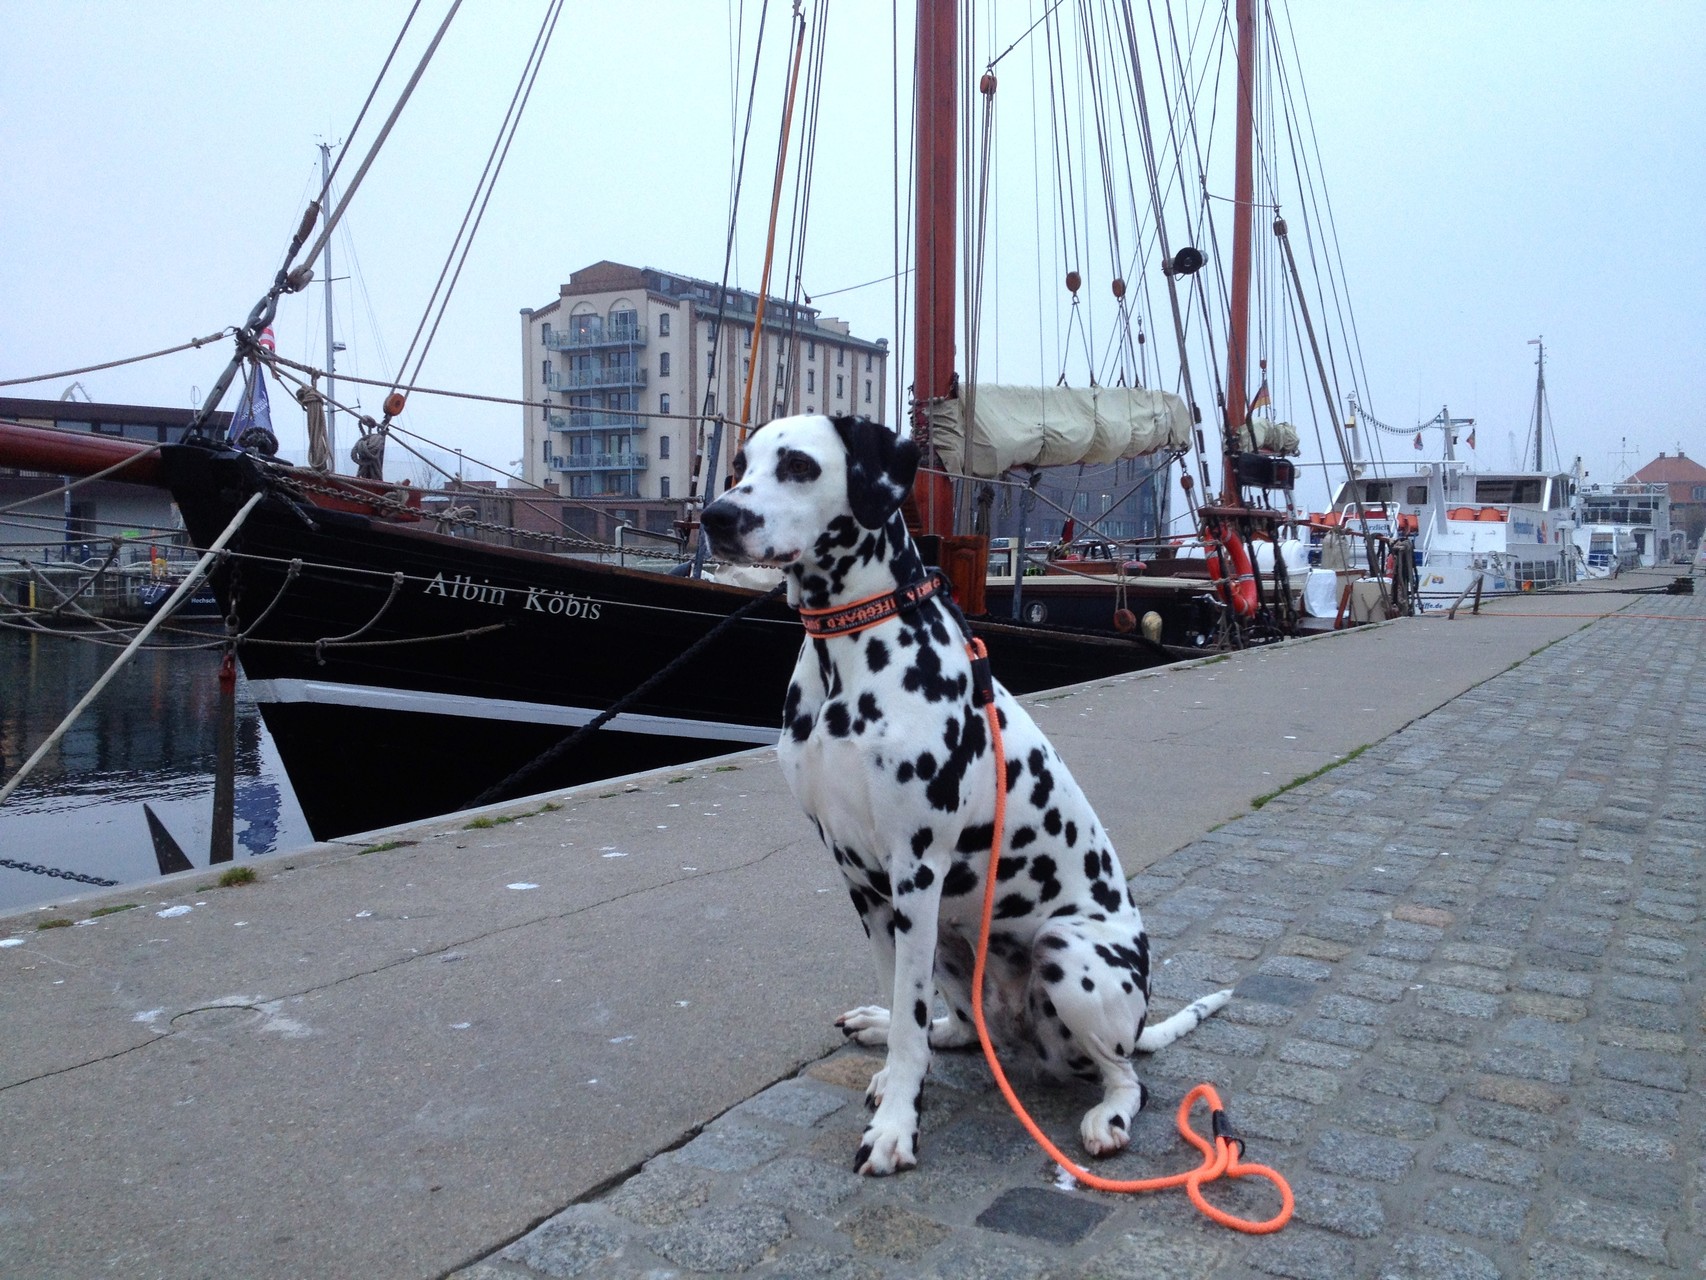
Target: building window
(839, 382)
(867, 391)
(867, 362)
(811, 350)
(811, 379)
(746, 336)
(710, 364)
(663, 364)
(546, 451)
(545, 333)
(663, 403)
(663, 486)
(663, 324)
(663, 450)
(545, 371)
(840, 357)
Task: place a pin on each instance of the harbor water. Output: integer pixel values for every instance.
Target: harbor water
(150, 737)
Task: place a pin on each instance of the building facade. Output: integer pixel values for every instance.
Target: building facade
(618, 370)
(1685, 480)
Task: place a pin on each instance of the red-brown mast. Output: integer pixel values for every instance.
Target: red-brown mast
(933, 247)
(1243, 223)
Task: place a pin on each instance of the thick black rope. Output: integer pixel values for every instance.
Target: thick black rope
(499, 790)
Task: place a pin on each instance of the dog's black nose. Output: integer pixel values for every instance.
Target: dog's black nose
(719, 519)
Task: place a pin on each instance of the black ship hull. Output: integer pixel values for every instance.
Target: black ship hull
(402, 673)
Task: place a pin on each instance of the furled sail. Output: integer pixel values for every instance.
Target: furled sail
(1056, 426)
(1275, 437)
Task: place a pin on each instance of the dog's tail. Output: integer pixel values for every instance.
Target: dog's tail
(1182, 1023)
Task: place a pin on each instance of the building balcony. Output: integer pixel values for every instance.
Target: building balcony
(597, 420)
(595, 336)
(600, 462)
(621, 375)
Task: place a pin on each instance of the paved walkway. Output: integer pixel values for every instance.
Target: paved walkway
(1467, 1024)
(1469, 1009)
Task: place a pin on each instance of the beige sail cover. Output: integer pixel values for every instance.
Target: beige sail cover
(1057, 426)
(1275, 437)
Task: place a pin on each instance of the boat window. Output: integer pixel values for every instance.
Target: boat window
(1416, 495)
(1509, 489)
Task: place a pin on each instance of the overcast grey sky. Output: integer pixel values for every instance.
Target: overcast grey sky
(1498, 171)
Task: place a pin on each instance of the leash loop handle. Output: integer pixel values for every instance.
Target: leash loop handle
(1222, 1151)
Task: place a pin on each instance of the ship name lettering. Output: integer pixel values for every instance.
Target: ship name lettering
(462, 587)
(565, 606)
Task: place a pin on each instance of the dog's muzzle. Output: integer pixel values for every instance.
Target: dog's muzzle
(725, 525)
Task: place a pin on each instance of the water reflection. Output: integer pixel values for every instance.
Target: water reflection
(151, 737)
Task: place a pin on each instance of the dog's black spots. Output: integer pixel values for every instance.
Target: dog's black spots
(1087, 983)
(1015, 771)
(1130, 959)
(825, 668)
(1001, 719)
(921, 1014)
(871, 547)
(1048, 1006)
(1070, 909)
(1043, 871)
(876, 877)
(869, 712)
(1053, 941)
(960, 880)
(902, 921)
(1051, 972)
(836, 719)
(925, 765)
(1117, 1121)
(1045, 783)
(1022, 837)
(1007, 868)
(1051, 822)
(1106, 895)
(1092, 865)
(801, 728)
(1125, 986)
(1036, 760)
(925, 676)
(906, 639)
(843, 531)
(1070, 835)
(1012, 906)
(860, 1156)
(967, 741)
(1108, 864)
(876, 655)
(861, 903)
(923, 878)
(903, 772)
(922, 840)
(976, 839)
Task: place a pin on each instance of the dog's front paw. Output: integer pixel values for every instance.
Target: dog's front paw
(867, 1025)
(885, 1149)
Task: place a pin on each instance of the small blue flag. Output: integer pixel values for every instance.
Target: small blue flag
(253, 407)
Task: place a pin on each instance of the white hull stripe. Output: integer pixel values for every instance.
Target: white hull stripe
(373, 698)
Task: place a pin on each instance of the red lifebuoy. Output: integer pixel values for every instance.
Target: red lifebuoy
(1244, 596)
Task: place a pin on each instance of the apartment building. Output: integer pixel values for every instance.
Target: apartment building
(618, 367)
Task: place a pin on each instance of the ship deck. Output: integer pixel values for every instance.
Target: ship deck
(590, 1033)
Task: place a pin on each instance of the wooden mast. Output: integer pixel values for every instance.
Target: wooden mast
(937, 164)
(1243, 223)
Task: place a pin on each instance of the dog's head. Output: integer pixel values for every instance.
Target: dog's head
(797, 476)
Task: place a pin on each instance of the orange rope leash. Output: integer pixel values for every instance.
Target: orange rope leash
(1222, 1156)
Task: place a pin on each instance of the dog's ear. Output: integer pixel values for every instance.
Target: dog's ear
(880, 467)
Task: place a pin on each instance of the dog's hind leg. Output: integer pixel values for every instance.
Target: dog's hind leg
(1088, 998)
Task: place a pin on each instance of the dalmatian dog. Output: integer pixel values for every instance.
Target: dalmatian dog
(886, 749)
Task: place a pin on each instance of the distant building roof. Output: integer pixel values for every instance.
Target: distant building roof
(1676, 468)
(607, 276)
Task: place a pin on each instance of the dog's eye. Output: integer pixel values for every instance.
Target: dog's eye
(798, 466)
(739, 465)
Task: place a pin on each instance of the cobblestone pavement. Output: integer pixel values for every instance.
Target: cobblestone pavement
(1468, 1027)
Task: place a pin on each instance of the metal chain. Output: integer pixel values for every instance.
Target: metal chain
(56, 873)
